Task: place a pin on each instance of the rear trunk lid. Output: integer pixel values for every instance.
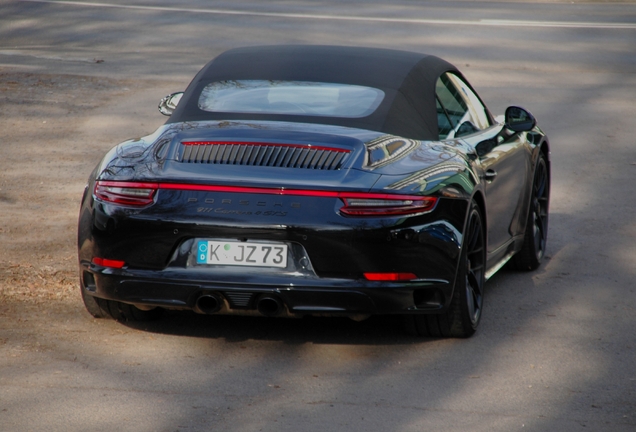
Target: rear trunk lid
(269, 155)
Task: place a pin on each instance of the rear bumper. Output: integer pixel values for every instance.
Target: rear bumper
(305, 296)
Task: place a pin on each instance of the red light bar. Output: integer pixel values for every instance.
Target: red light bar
(355, 203)
(389, 276)
(247, 143)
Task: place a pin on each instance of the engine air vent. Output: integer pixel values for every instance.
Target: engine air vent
(263, 154)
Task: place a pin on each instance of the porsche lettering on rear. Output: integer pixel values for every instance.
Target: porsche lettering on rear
(243, 202)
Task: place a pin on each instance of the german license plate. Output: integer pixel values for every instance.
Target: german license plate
(242, 253)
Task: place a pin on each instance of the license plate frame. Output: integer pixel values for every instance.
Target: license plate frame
(242, 254)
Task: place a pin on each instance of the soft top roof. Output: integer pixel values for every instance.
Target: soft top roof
(407, 78)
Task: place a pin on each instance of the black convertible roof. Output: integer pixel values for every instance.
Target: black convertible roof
(407, 78)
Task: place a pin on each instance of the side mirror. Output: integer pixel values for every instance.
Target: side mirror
(168, 104)
(518, 119)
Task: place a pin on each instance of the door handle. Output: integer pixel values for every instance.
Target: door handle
(490, 175)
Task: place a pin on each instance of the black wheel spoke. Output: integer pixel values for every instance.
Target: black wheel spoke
(470, 298)
(476, 236)
(535, 236)
(473, 298)
(473, 281)
(540, 183)
(474, 268)
(540, 212)
(538, 239)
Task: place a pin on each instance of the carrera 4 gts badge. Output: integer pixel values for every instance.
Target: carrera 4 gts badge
(226, 211)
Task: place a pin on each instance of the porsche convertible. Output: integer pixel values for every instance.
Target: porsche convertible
(299, 180)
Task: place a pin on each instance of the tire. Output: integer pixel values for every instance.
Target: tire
(122, 312)
(536, 233)
(94, 306)
(464, 313)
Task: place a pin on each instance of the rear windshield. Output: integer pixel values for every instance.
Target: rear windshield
(290, 97)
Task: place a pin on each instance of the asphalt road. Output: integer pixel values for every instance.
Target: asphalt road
(556, 349)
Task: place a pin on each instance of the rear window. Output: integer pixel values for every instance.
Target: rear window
(290, 97)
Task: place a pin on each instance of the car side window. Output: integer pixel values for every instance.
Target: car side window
(459, 110)
(444, 124)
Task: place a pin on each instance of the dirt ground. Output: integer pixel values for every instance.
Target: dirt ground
(55, 129)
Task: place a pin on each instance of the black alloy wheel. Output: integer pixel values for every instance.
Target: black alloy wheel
(464, 313)
(536, 234)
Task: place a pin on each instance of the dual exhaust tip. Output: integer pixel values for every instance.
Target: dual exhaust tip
(211, 303)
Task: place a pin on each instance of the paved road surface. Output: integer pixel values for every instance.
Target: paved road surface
(556, 349)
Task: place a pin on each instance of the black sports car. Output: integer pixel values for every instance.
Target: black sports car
(317, 180)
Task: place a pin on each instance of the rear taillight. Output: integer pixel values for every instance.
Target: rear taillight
(126, 193)
(385, 205)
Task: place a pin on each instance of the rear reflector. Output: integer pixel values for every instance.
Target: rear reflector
(389, 276)
(108, 262)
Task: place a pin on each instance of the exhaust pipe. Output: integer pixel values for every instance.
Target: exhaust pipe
(209, 303)
(269, 306)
